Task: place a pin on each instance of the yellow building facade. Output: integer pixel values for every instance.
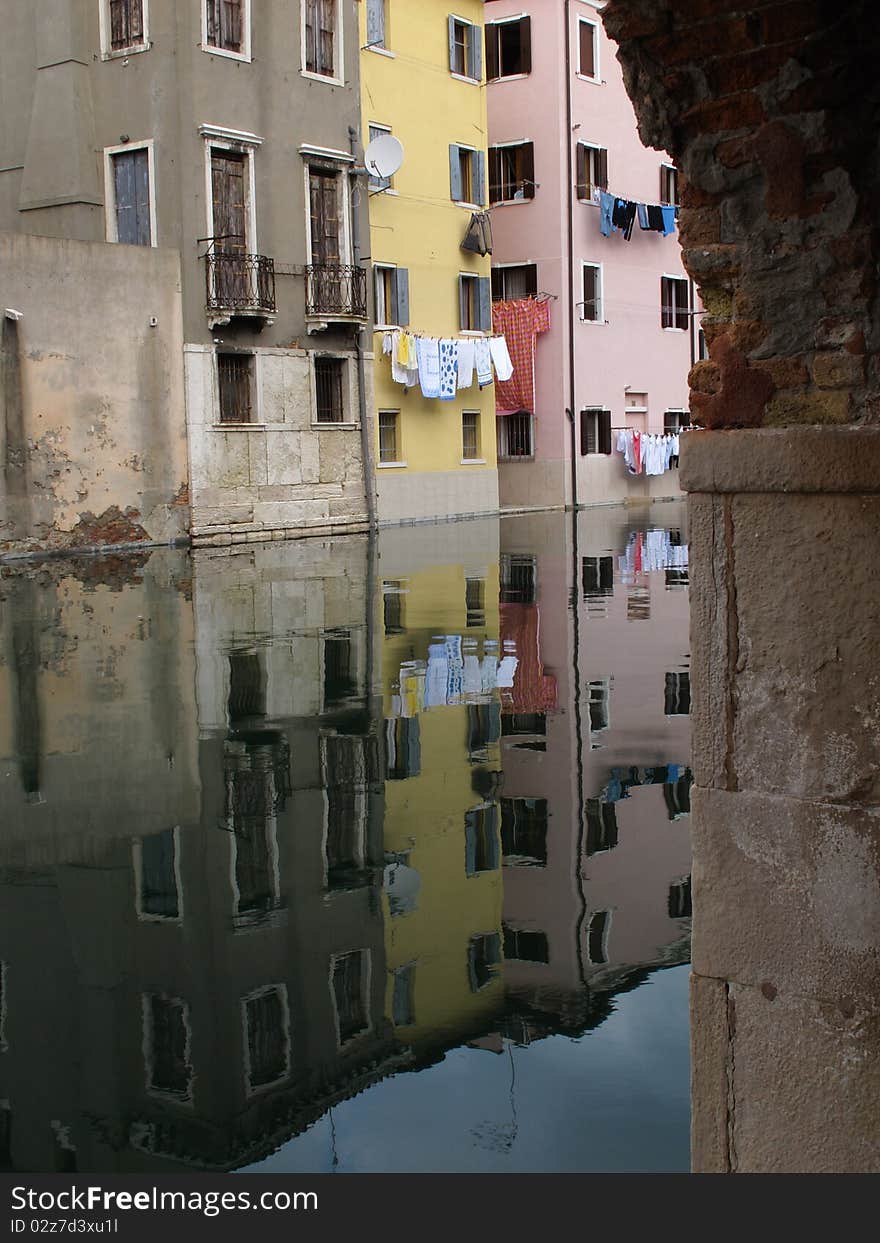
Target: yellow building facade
(422, 80)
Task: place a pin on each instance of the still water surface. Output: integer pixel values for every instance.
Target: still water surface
(323, 857)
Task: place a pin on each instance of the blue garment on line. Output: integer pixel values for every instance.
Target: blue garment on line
(668, 220)
(606, 208)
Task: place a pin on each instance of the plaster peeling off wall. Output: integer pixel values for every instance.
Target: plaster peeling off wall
(92, 425)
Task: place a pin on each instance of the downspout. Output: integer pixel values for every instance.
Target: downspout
(366, 439)
(571, 299)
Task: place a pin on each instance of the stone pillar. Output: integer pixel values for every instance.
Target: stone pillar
(785, 634)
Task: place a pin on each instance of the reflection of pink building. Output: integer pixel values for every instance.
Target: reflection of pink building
(608, 356)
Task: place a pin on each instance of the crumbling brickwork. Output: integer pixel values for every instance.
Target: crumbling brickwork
(771, 110)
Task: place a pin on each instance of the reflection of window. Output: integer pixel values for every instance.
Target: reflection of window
(518, 578)
(403, 1012)
(393, 596)
(597, 936)
(600, 696)
(403, 748)
(247, 687)
(256, 770)
(598, 576)
(484, 958)
(508, 48)
(601, 826)
(349, 975)
(679, 904)
(524, 945)
(346, 771)
(678, 694)
(677, 795)
(340, 682)
(524, 832)
(255, 870)
(156, 869)
(515, 435)
(268, 1038)
(167, 1044)
(475, 602)
(483, 728)
(638, 604)
(481, 839)
(677, 578)
(513, 723)
(3, 1044)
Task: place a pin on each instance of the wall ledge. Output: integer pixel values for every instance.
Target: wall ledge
(782, 459)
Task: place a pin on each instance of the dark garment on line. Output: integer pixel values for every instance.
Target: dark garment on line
(623, 216)
(655, 219)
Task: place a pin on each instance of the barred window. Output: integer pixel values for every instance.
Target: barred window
(515, 435)
(470, 435)
(388, 438)
(329, 403)
(235, 374)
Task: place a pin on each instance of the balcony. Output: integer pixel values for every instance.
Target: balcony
(238, 284)
(336, 291)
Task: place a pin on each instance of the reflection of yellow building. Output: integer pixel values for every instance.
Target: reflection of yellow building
(420, 80)
(443, 887)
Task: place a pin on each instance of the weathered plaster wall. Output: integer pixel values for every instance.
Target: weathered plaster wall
(92, 434)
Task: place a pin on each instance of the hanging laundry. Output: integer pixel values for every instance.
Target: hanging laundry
(643, 216)
(406, 352)
(623, 216)
(606, 211)
(465, 362)
(448, 369)
(483, 361)
(500, 358)
(520, 322)
(428, 353)
(668, 214)
(637, 452)
(478, 235)
(655, 218)
(401, 373)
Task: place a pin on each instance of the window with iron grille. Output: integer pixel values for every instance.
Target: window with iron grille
(329, 389)
(592, 171)
(514, 281)
(511, 172)
(677, 700)
(508, 48)
(470, 435)
(268, 1039)
(235, 374)
(127, 23)
(388, 436)
(225, 24)
(674, 302)
(525, 945)
(475, 602)
(320, 18)
(595, 431)
(588, 49)
(519, 578)
(515, 435)
(669, 185)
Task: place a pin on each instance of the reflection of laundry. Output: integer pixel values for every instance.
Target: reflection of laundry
(472, 683)
(650, 551)
(489, 673)
(506, 673)
(435, 679)
(532, 690)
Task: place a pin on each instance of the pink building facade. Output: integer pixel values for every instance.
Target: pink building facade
(623, 330)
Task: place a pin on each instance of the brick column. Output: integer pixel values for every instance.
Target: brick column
(785, 634)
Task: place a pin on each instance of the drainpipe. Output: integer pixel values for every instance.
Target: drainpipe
(571, 299)
(366, 439)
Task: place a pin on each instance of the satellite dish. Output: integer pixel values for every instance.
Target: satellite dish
(384, 156)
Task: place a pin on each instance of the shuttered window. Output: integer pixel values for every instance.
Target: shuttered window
(465, 49)
(588, 52)
(376, 23)
(475, 303)
(592, 310)
(592, 171)
(467, 175)
(595, 431)
(511, 172)
(674, 303)
(508, 48)
(320, 36)
(131, 196)
(267, 1035)
(126, 24)
(324, 215)
(225, 25)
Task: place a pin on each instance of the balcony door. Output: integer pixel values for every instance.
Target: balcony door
(228, 172)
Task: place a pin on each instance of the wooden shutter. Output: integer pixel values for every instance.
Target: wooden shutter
(131, 187)
(451, 27)
(479, 178)
(492, 59)
(587, 63)
(605, 431)
(525, 45)
(376, 22)
(310, 18)
(324, 205)
(327, 10)
(213, 22)
(590, 293)
(126, 23)
(401, 297)
(583, 189)
(230, 220)
(455, 187)
(475, 53)
(601, 161)
(527, 169)
(230, 25)
(484, 303)
(495, 191)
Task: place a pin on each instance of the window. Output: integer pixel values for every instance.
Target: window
(592, 310)
(638, 603)
(339, 674)
(475, 603)
(403, 1013)
(167, 1046)
(389, 441)
(514, 281)
(598, 577)
(467, 175)
(525, 946)
(678, 694)
(379, 183)
(588, 49)
(601, 826)
(377, 23)
(600, 702)
(329, 389)
(391, 293)
(470, 435)
(481, 838)
(474, 303)
(675, 420)
(597, 936)
(465, 51)
(321, 37)
(592, 172)
(403, 748)
(347, 763)
(483, 728)
(484, 958)
(679, 904)
(350, 983)
(130, 200)
(127, 25)
(515, 436)
(702, 346)
(267, 1024)
(518, 579)
(325, 216)
(514, 724)
(669, 185)
(508, 48)
(674, 303)
(393, 597)
(235, 381)
(595, 431)
(511, 172)
(226, 26)
(247, 687)
(524, 832)
(156, 867)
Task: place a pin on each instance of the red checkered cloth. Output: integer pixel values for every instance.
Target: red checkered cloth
(519, 322)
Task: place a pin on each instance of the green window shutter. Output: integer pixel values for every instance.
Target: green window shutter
(455, 190)
(401, 297)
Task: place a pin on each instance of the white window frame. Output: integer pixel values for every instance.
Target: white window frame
(109, 53)
(519, 197)
(281, 989)
(504, 21)
(375, 183)
(525, 263)
(240, 143)
(137, 859)
(338, 78)
(345, 257)
(472, 152)
(677, 276)
(257, 380)
(595, 190)
(245, 53)
(148, 1053)
(473, 461)
(348, 401)
(367, 982)
(399, 461)
(673, 168)
(502, 437)
(381, 48)
(465, 21)
(143, 144)
(382, 323)
(600, 309)
(596, 75)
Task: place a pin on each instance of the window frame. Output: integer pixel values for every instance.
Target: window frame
(252, 1089)
(493, 29)
(366, 984)
(238, 143)
(110, 221)
(602, 433)
(347, 421)
(398, 459)
(475, 305)
(105, 32)
(339, 170)
(379, 185)
(499, 271)
(476, 175)
(525, 162)
(593, 179)
(245, 53)
(503, 439)
(380, 46)
(599, 300)
(672, 310)
(337, 77)
(148, 1045)
(475, 459)
(669, 183)
(255, 421)
(472, 50)
(596, 75)
(150, 917)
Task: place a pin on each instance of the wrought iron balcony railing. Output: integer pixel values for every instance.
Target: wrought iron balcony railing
(239, 282)
(336, 289)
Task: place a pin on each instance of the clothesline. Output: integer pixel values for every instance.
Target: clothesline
(441, 366)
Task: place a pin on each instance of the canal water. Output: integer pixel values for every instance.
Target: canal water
(330, 856)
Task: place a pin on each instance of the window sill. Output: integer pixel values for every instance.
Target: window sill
(388, 328)
(585, 77)
(321, 77)
(473, 461)
(597, 323)
(374, 190)
(121, 53)
(511, 202)
(669, 328)
(239, 427)
(508, 77)
(390, 465)
(588, 203)
(461, 77)
(382, 51)
(333, 427)
(230, 55)
(469, 206)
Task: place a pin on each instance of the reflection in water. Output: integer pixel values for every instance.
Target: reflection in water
(277, 837)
